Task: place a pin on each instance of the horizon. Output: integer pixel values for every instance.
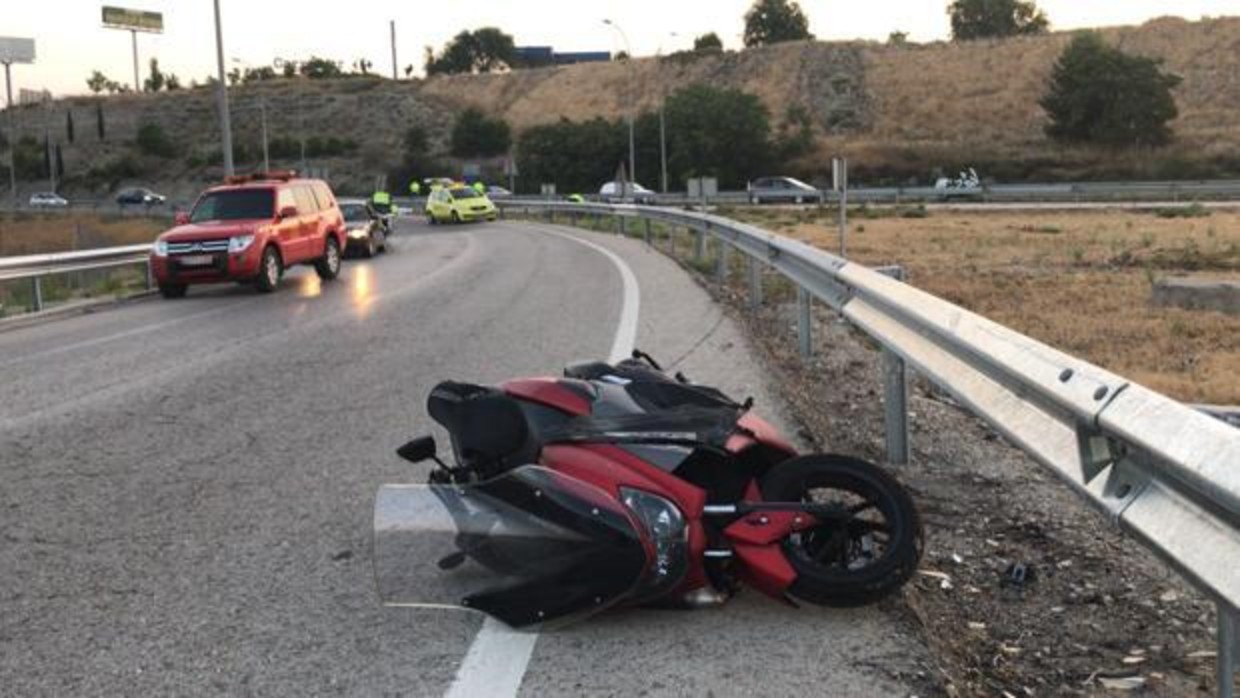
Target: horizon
(71, 41)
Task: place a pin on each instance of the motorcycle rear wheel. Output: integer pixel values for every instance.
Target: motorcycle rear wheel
(868, 550)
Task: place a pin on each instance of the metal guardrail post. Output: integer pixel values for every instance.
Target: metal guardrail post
(804, 318)
(755, 283)
(36, 294)
(1228, 650)
(895, 406)
(150, 276)
(647, 233)
(699, 246)
(620, 226)
(721, 262)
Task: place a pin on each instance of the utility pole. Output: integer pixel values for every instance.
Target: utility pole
(137, 86)
(221, 96)
(262, 106)
(628, 50)
(392, 25)
(663, 143)
(8, 88)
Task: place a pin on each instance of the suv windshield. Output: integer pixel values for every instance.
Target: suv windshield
(237, 204)
(465, 193)
(354, 212)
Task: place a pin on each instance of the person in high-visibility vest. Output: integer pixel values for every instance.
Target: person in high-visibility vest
(381, 201)
(415, 188)
(576, 198)
(480, 187)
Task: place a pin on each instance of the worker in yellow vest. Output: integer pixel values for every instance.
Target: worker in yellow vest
(415, 188)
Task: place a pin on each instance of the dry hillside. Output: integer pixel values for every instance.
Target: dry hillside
(898, 111)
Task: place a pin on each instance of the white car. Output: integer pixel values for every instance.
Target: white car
(625, 191)
(47, 199)
(967, 186)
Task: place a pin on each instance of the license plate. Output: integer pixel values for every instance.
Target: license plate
(196, 260)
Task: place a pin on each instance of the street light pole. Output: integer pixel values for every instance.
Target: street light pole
(137, 86)
(8, 89)
(663, 128)
(628, 50)
(393, 27)
(221, 96)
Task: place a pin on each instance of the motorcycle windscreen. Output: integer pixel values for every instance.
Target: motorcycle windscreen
(529, 547)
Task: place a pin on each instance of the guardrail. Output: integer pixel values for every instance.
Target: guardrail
(1163, 472)
(37, 266)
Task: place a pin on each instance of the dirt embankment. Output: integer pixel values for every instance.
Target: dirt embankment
(899, 112)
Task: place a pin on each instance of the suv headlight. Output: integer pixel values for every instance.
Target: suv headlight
(161, 248)
(240, 243)
(669, 535)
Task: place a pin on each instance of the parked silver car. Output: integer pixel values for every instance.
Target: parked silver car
(47, 199)
(786, 189)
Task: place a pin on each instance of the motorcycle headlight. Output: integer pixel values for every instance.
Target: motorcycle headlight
(669, 535)
(161, 248)
(240, 243)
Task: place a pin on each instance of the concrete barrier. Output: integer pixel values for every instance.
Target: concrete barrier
(1198, 294)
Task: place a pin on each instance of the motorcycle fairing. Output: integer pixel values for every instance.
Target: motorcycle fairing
(529, 547)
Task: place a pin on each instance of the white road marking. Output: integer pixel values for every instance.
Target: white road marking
(497, 659)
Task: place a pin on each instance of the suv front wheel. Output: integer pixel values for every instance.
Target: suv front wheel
(328, 266)
(270, 271)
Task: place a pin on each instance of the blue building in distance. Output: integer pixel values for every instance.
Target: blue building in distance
(533, 56)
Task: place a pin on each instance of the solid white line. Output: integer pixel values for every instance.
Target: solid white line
(498, 657)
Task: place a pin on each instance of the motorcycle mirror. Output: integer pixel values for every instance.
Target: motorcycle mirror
(418, 450)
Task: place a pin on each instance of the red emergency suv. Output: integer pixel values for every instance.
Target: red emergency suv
(250, 230)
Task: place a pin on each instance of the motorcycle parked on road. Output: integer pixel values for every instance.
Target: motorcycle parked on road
(618, 485)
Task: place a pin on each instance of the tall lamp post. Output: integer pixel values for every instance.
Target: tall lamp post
(663, 125)
(221, 96)
(632, 106)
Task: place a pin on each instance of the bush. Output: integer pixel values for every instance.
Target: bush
(1193, 210)
(476, 135)
(1099, 94)
(987, 19)
(775, 21)
(153, 141)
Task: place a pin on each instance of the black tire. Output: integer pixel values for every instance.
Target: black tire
(430, 219)
(270, 269)
(827, 571)
(383, 236)
(328, 266)
(173, 290)
(370, 249)
(456, 217)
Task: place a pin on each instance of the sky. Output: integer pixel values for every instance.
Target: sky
(71, 41)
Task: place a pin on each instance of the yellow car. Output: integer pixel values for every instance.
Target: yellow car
(458, 204)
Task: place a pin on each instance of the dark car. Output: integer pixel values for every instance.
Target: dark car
(785, 189)
(364, 226)
(139, 196)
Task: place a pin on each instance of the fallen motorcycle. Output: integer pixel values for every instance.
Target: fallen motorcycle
(618, 485)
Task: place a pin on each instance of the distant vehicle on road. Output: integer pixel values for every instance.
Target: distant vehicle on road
(250, 230)
(140, 196)
(47, 199)
(786, 189)
(615, 191)
(458, 204)
(497, 192)
(366, 231)
(967, 186)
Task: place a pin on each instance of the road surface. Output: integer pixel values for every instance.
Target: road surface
(188, 485)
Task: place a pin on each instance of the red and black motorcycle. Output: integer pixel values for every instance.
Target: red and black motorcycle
(618, 485)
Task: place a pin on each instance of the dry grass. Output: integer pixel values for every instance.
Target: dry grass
(1079, 281)
(31, 233)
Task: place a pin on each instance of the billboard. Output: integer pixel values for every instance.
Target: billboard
(15, 50)
(135, 20)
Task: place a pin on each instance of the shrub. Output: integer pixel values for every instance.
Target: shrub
(152, 140)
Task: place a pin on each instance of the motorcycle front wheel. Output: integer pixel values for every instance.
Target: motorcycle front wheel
(868, 541)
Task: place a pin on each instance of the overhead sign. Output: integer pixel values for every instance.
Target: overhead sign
(134, 20)
(15, 50)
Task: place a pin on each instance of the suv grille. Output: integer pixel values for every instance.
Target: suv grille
(200, 246)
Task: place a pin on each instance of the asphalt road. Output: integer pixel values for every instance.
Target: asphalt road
(187, 485)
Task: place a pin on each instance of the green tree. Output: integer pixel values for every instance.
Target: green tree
(476, 135)
(1099, 94)
(155, 81)
(702, 144)
(987, 19)
(318, 68)
(708, 42)
(575, 156)
(97, 82)
(264, 73)
(29, 158)
(417, 160)
(172, 83)
(481, 51)
(773, 21)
